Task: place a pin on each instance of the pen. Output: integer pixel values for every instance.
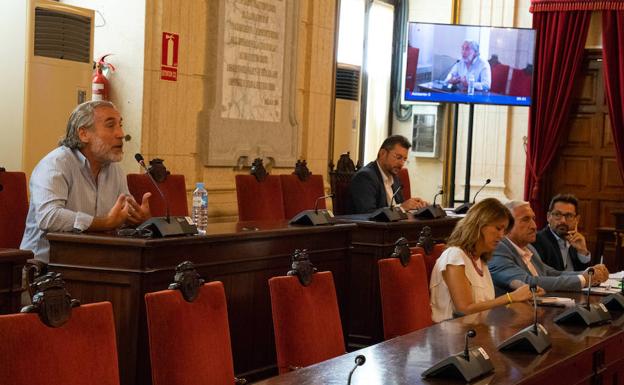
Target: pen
(601, 259)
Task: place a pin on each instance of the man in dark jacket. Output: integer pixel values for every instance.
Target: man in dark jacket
(514, 259)
(375, 184)
(559, 244)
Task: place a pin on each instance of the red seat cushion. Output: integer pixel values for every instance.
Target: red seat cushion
(500, 73)
(13, 208)
(83, 351)
(405, 304)
(306, 321)
(406, 191)
(430, 259)
(189, 341)
(301, 195)
(259, 201)
(520, 83)
(174, 189)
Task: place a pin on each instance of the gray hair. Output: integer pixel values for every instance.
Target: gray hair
(82, 116)
(473, 45)
(512, 205)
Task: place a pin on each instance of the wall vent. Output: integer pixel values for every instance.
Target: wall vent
(347, 83)
(62, 35)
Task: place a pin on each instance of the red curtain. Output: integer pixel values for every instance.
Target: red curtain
(559, 52)
(613, 62)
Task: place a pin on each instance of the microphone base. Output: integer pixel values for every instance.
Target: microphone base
(161, 228)
(463, 208)
(527, 340)
(597, 314)
(387, 214)
(312, 218)
(456, 366)
(430, 212)
(614, 302)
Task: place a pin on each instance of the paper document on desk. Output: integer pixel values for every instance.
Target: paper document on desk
(610, 286)
(555, 301)
(618, 276)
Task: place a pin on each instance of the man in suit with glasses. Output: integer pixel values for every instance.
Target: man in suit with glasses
(560, 244)
(374, 185)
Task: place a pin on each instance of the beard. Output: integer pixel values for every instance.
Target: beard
(104, 153)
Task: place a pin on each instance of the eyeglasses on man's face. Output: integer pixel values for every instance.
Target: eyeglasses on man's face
(558, 215)
(398, 157)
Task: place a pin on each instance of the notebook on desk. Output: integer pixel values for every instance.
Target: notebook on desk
(555, 301)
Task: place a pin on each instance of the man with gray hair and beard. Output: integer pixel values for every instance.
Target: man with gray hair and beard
(470, 65)
(515, 261)
(79, 186)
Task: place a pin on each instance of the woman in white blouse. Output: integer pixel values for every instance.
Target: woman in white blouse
(460, 281)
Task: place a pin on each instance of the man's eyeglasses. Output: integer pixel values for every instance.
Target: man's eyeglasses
(559, 215)
(399, 157)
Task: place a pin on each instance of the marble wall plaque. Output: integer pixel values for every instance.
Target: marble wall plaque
(250, 85)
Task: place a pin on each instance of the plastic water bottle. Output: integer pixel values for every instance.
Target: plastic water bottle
(471, 81)
(200, 207)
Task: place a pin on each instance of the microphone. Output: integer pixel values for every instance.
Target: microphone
(487, 182)
(469, 334)
(590, 274)
(436, 196)
(394, 195)
(444, 73)
(463, 208)
(533, 287)
(359, 361)
(141, 161)
(318, 199)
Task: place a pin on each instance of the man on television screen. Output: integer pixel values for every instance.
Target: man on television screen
(471, 67)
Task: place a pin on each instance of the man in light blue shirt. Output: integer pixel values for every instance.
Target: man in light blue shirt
(471, 64)
(79, 186)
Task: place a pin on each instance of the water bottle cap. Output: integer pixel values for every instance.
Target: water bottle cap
(199, 185)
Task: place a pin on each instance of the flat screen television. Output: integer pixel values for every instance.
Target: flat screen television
(468, 64)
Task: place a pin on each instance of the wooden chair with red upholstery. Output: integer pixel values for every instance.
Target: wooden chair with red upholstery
(428, 249)
(406, 190)
(189, 334)
(340, 181)
(301, 190)
(62, 344)
(259, 195)
(173, 187)
(521, 81)
(404, 289)
(500, 74)
(306, 319)
(13, 208)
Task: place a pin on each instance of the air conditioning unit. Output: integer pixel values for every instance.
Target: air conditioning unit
(347, 111)
(56, 67)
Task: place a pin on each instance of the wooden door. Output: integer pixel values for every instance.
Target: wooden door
(585, 164)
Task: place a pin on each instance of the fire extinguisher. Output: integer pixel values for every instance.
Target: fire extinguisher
(100, 87)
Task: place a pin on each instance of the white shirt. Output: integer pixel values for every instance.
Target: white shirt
(564, 248)
(482, 288)
(65, 197)
(479, 68)
(387, 181)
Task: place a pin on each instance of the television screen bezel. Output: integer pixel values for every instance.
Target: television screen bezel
(443, 100)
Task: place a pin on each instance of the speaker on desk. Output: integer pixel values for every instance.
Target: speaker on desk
(388, 214)
(470, 364)
(588, 314)
(433, 211)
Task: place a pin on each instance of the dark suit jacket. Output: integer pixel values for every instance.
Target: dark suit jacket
(367, 190)
(548, 249)
(507, 265)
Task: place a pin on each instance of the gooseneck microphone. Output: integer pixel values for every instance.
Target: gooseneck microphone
(444, 74)
(318, 199)
(141, 161)
(487, 182)
(359, 361)
(590, 274)
(394, 195)
(533, 287)
(469, 334)
(436, 196)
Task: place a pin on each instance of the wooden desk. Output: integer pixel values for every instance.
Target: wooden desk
(11, 263)
(371, 242)
(122, 270)
(578, 355)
